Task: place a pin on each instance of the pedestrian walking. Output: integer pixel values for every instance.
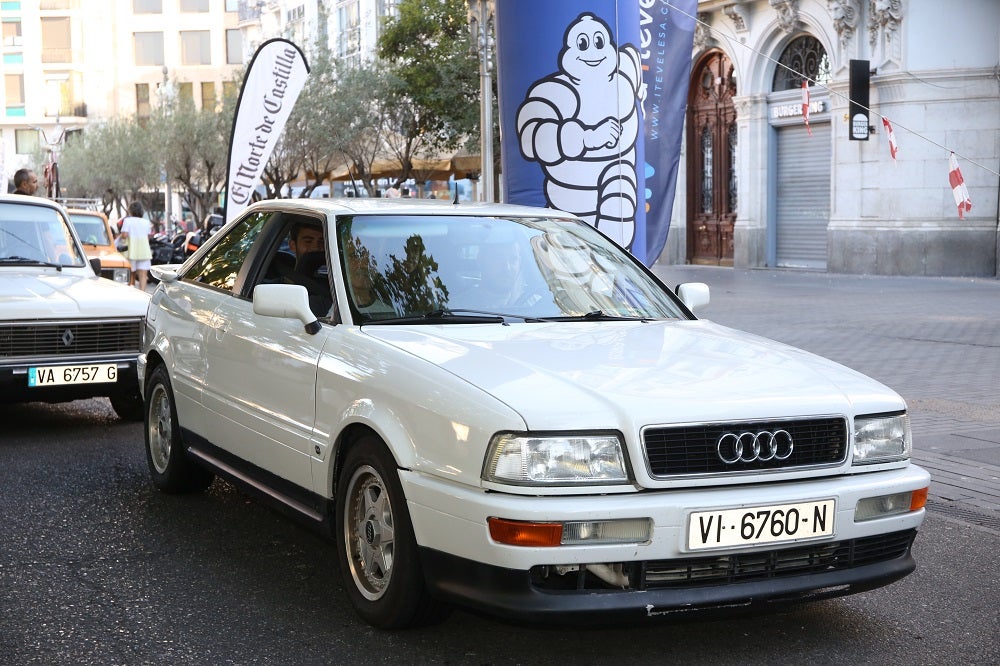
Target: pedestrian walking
(136, 230)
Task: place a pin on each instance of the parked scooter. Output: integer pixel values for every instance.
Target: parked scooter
(168, 249)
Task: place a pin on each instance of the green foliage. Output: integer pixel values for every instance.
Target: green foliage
(429, 52)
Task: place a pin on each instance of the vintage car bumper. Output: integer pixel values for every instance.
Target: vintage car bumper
(662, 575)
(14, 381)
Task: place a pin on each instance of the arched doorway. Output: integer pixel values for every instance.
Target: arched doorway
(711, 164)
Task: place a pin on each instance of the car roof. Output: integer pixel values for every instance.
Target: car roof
(373, 206)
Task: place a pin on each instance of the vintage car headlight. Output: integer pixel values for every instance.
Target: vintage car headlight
(120, 275)
(555, 459)
(881, 438)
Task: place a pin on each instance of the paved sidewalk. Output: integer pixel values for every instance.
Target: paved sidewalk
(936, 341)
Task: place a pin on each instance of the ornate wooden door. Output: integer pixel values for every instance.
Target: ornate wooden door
(711, 168)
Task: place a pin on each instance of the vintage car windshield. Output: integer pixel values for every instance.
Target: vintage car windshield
(32, 234)
(456, 268)
(91, 229)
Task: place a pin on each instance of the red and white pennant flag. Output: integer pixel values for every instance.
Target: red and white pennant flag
(958, 188)
(805, 104)
(893, 148)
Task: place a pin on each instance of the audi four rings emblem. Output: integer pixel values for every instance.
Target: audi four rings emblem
(750, 446)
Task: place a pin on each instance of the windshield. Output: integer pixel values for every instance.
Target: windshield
(532, 268)
(91, 229)
(31, 234)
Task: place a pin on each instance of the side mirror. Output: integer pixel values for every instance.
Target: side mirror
(95, 264)
(164, 272)
(693, 294)
(285, 300)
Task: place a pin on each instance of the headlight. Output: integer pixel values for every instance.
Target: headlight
(881, 438)
(555, 460)
(120, 275)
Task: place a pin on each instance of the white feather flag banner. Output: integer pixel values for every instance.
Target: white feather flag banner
(274, 78)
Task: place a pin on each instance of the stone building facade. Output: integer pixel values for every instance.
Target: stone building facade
(759, 189)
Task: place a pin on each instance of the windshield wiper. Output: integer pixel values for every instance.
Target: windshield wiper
(30, 262)
(593, 315)
(445, 316)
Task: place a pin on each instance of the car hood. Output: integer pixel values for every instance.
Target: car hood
(49, 294)
(110, 257)
(591, 374)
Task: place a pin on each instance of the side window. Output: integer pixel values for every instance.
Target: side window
(221, 266)
(300, 257)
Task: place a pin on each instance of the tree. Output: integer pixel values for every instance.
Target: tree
(429, 51)
(113, 161)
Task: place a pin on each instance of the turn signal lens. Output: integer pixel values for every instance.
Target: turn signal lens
(517, 533)
(919, 499)
(882, 506)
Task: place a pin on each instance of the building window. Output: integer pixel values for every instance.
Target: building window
(196, 47)
(232, 5)
(234, 47)
(230, 90)
(148, 48)
(14, 90)
(56, 45)
(185, 92)
(10, 6)
(12, 33)
(147, 6)
(26, 141)
(349, 30)
(194, 6)
(803, 56)
(142, 107)
(208, 100)
(48, 5)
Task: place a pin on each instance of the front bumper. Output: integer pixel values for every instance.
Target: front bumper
(518, 595)
(663, 575)
(14, 381)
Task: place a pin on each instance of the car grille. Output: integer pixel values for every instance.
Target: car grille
(745, 567)
(70, 338)
(693, 449)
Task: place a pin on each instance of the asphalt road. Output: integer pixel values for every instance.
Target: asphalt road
(97, 567)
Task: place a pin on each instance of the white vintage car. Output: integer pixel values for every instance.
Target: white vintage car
(65, 333)
(496, 406)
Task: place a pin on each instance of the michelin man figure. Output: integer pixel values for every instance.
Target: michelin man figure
(581, 125)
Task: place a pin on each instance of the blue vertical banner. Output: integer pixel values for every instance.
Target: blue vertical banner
(576, 86)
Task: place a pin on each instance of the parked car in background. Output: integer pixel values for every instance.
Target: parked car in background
(497, 406)
(98, 240)
(65, 332)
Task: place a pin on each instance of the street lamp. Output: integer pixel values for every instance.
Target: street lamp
(167, 195)
(480, 14)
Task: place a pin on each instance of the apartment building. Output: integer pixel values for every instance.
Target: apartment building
(67, 63)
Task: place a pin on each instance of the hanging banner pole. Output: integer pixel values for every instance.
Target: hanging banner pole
(274, 78)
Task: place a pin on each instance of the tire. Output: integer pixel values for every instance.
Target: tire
(379, 563)
(128, 406)
(171, 469)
